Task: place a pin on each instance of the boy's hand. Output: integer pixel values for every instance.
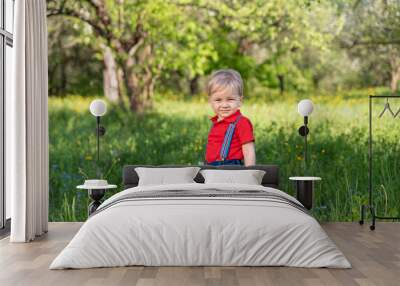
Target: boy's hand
(249, 153)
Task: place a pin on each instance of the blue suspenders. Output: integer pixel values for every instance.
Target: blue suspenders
(226, 145)
(227, 139)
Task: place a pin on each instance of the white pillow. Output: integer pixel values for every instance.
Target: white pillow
(163, 176)
(249, 177)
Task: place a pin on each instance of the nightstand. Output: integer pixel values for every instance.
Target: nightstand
(96, 193)
(305, 190)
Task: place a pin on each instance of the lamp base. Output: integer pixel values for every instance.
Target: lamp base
(96, 195)
(305, 193)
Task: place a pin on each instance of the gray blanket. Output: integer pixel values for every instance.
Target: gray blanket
(205, 193)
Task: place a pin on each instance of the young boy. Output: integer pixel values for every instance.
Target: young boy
(231, 138)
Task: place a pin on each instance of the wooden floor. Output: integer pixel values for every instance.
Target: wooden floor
(374, 255)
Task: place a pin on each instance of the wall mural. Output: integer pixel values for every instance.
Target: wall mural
(176, 75)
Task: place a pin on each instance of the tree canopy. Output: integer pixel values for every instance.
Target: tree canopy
(292, 45)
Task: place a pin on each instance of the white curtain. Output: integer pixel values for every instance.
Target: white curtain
(27, 157)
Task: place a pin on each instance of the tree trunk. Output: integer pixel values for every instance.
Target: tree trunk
(139, 85)
(281, 79)
(120, 75)
(395, 80)
(139, 91)
(131, 85)
(61, 88)
(316, 81)
(110, 76)
(194, 85)
(394, 60)
(63, 76)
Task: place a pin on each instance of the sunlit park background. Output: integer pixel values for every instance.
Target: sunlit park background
(150, 61)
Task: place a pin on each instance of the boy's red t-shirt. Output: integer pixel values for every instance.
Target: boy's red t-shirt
(243, 134)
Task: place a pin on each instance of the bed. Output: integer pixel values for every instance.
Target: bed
(201, 224)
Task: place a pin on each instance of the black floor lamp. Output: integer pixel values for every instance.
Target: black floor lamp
(305, 108)
(98, 108)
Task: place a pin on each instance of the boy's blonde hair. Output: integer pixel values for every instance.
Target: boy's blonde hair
(225, 78)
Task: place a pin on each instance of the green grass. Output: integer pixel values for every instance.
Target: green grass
(175, 132)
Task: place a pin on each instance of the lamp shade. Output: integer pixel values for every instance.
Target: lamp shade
(305, 107)
(98, 107)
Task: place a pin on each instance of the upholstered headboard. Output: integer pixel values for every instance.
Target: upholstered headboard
(130, 178)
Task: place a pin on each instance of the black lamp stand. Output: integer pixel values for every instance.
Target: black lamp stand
(303, 131)
(100, 131)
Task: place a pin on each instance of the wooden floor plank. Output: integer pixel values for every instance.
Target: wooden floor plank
(374, 255)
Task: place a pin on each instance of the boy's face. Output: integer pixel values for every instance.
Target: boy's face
(224, 102)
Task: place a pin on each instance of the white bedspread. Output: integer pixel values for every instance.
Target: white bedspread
(200, 231)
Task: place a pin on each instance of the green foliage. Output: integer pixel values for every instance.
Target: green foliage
(68, 209)
(74, 63)
(179, 40)
(176, 132)
(268, 39)
(372, 35)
